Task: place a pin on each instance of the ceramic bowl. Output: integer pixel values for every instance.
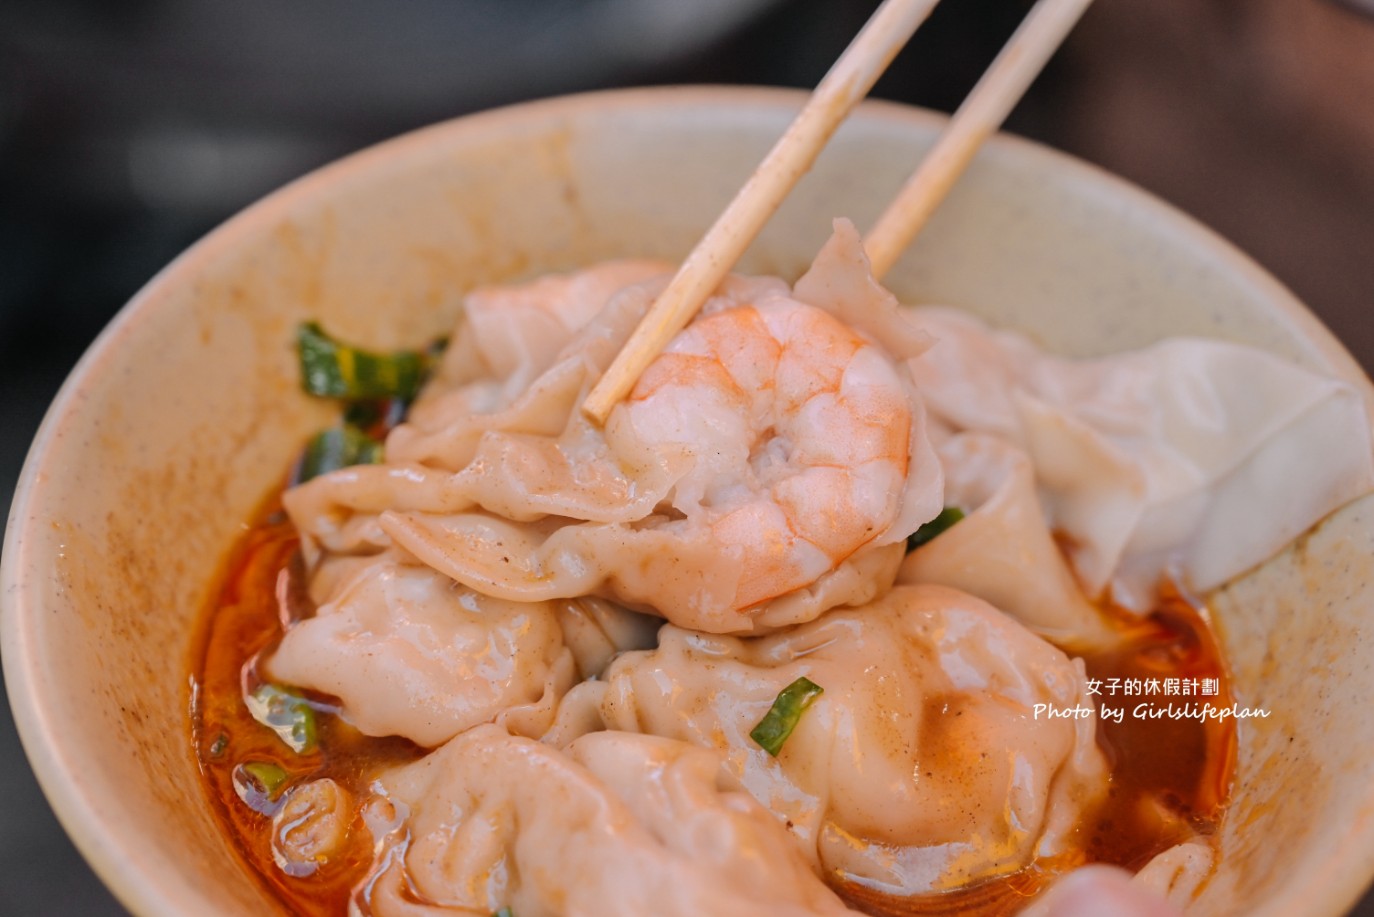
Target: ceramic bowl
(180, 418)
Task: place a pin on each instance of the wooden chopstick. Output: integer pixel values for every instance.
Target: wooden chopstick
(987, 106)
(847, 82)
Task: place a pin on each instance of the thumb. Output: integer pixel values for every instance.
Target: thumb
(1099, 891)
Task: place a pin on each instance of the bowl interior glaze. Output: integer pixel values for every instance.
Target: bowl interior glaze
(186, 411)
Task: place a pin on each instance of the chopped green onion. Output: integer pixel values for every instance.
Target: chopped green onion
(784, 715)
(375, 415)
(948, 516)
(331, 369)
(287, 714)
(271, 777)
(376, 389)
(259, 784)
(335, 448)
(504, 912)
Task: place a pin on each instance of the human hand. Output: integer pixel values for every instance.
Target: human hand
(1100, 891)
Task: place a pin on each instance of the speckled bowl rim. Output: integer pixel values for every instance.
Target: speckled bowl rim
(137, 883)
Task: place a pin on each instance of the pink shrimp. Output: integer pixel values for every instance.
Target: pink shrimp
(800, 430)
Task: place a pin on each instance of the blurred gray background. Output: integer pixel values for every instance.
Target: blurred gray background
(129, 129)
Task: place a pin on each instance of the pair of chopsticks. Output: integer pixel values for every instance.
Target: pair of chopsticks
(847, 82)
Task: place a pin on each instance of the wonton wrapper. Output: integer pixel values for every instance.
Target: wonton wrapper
(1195, 457)
(618, 825)
(923, 766)
(409, 652)
(1002, 550)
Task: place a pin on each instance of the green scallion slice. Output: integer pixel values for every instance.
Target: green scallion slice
(287, 714)
(374, 415)
(331, 369)
(260, 784)
(784, 715)
(335, 448)
(271, 777)
(504, 912)
(948, 516)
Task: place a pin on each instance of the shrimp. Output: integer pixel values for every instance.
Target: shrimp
(767, 466)
(800, 431)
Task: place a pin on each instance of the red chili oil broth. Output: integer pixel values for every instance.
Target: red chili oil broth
(1170, 778)
(1169, 781)
(243, 623)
